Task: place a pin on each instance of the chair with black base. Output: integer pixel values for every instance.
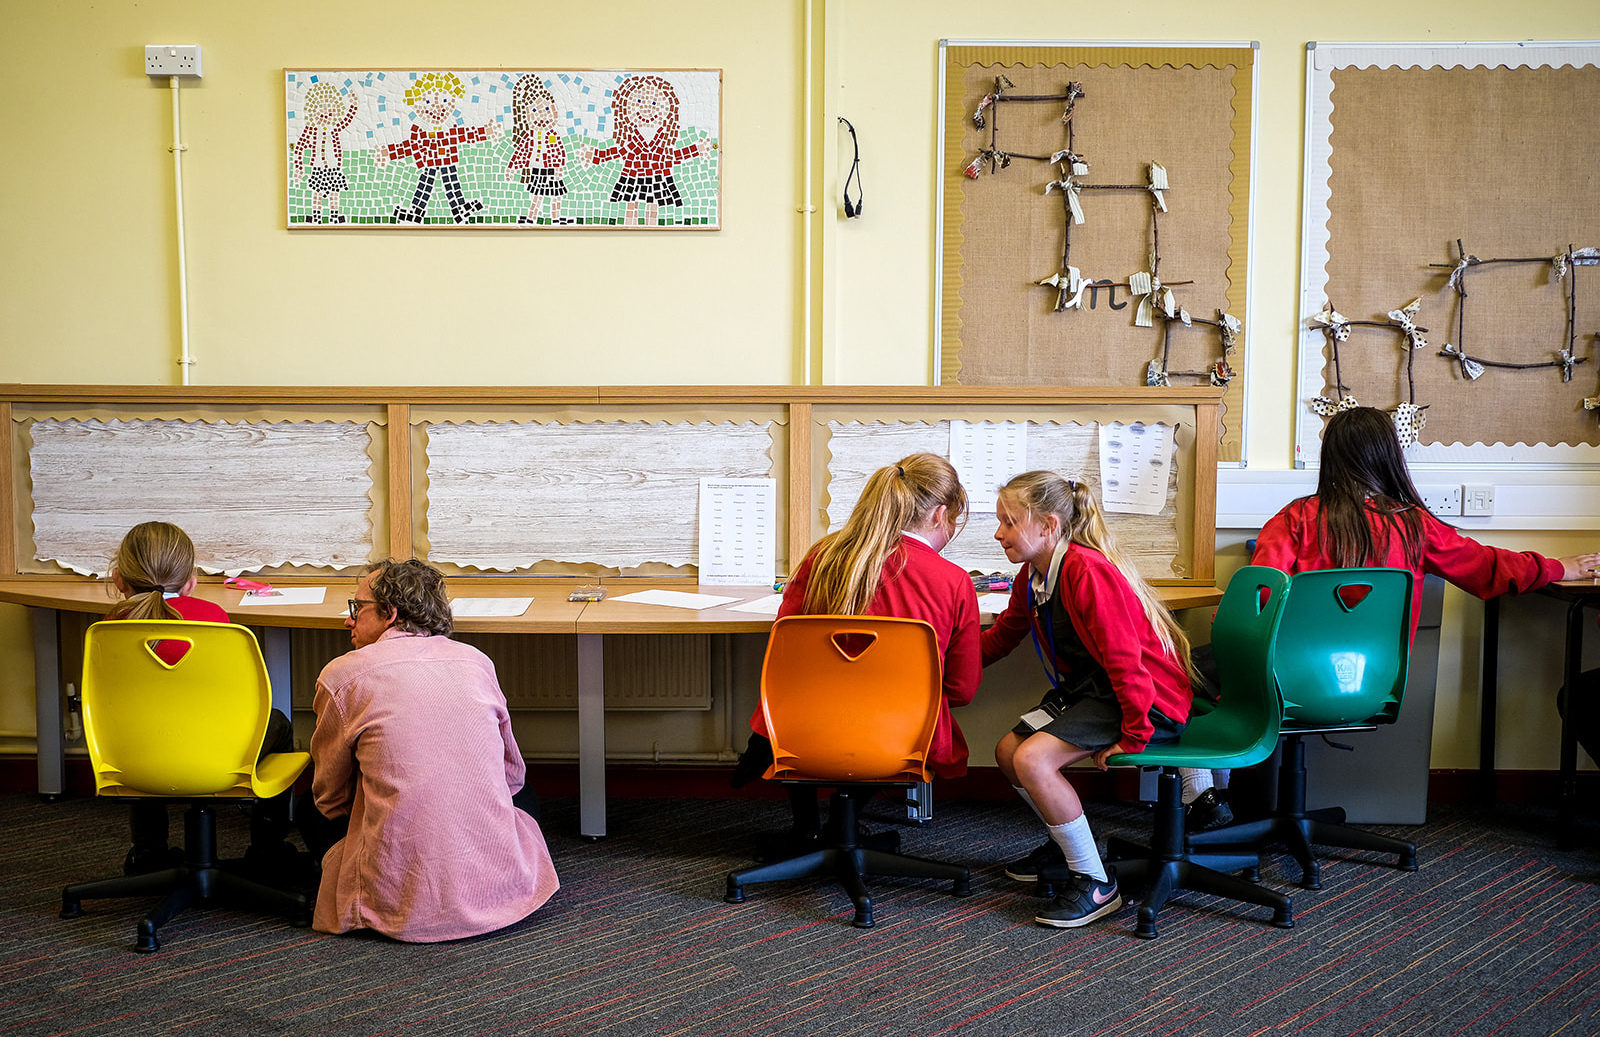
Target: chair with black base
(1343, 648)
(182, 726)
(850, 703)
(1240, 731)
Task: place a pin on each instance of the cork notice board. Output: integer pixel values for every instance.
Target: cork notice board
(1419, 157)
(1187, 110)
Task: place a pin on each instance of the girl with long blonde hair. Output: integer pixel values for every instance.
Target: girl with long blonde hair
(885, 561)
(1118, 666)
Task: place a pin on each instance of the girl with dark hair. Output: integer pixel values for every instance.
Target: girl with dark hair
(1366, 511)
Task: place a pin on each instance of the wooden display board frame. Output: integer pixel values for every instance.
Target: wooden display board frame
(802, 471)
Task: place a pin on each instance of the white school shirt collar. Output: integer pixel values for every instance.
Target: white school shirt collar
(1044, 584)
(919, 539)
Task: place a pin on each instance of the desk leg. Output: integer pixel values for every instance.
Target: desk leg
(275, 652)
(1488, 699)
(47, 699)
(1567, 797)
(591, 736)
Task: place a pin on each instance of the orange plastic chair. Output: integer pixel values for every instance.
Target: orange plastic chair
(850, 702)
(188, 730)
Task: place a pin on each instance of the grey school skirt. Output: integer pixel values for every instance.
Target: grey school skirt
(1088, 716)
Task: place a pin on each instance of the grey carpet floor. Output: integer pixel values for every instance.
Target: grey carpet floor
(1497, 933)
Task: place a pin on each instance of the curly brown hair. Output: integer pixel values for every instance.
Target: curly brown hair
(416, 592)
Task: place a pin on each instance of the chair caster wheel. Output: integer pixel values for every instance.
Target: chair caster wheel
(144, 940)
(734, 895)
(1408, 861)
(71, 909)
(863, 918)
(1146, 929)
(961, 888)
(1283, 918)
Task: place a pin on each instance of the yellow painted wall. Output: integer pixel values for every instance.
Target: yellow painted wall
(87, 213)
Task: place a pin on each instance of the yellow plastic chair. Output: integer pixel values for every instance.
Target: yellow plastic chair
(189, 731)
(850, 702)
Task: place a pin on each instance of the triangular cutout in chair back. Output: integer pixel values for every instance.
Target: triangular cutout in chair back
(853, 644)
(1351, 595)
(168, 651)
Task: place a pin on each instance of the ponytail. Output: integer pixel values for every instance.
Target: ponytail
(847, 565)
(1040, 493)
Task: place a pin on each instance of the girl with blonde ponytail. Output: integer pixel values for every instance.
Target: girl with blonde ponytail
(154, 571)
(1118, 666)
(885, 562)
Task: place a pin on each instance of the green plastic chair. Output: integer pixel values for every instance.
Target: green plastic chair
(1241, 731)
(1343, 646)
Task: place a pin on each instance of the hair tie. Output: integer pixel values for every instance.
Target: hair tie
(145, 588)
(901, 469)
(1071, 485)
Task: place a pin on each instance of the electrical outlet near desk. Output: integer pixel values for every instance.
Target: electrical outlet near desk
(1441, 498)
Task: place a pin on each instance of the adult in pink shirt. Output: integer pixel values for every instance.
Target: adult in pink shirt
(1366, 511)
(413, 746)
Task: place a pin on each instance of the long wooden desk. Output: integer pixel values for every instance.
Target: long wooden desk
(550, 613)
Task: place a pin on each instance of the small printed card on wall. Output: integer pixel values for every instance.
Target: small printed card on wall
(519, 149)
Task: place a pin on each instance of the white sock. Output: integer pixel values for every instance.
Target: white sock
(1029, 800)
(1194, 783)
(1077, 845)
(1219, 777)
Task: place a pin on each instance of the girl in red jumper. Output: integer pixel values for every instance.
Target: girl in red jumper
(885, 562)
(1367, 512)
(1118, 669)
(154, 571)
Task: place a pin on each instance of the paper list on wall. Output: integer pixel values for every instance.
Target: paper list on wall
(986, 454)
(1135, 466)
(737, 539)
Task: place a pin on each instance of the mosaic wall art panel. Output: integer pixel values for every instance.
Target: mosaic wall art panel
(522, 149)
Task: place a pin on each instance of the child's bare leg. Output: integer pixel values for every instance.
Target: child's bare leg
(1037, 763)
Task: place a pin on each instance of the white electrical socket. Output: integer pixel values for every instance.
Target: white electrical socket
(172, 59)
(1442, 499)
(1477, 498)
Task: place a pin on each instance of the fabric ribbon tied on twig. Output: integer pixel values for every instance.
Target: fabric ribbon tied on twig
(1406, 317)
(1470, 368)
(1069, 286)
(1158, 184)
(1334, 323)
(1068, 184)
(1152, 293)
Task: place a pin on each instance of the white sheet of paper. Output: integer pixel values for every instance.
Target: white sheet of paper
(1135, 466)
(766, 606)
(986, 454)
(511, 607)
(738, 537)
(676, 599)
(286, 596)
(994, 603)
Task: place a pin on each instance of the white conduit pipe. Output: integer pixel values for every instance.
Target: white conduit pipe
(184, 360)
(807, 209)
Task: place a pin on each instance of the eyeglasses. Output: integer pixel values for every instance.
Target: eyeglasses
(354, 605)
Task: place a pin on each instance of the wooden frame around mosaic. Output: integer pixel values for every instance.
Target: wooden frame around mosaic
(507, 149)
(997, 324)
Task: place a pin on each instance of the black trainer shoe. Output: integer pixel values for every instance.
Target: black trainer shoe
(1027, 869)
(1085, 900)
(1206, 813)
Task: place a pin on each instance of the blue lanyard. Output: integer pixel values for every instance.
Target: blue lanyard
(1047, 659)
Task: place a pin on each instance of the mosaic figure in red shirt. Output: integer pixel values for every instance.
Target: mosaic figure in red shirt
(539, 151)
(647, 130)
(434, 148)
(327, 115)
